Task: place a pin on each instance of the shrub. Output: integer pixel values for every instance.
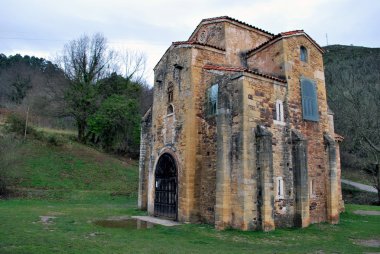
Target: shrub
(16, 123)
(9, 145)
(54, 140)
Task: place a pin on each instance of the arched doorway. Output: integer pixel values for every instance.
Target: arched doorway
(165, 200)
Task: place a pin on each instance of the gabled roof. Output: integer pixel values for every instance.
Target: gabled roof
(281, 36)
(241, 69)
(176, 43)
(231, 20)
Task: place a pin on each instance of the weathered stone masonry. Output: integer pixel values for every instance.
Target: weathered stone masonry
(242, 116)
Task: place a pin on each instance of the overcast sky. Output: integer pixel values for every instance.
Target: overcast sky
(42, 27)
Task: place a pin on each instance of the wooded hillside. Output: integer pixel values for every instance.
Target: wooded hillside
(110, 105)
(353, 87)
(28, 81)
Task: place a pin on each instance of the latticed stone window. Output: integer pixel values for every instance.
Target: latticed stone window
(170, 92)
(303, 54)
(212, 99)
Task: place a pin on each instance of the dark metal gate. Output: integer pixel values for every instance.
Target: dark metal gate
(165, 201)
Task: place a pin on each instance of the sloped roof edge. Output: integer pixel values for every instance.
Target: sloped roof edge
(196, 43)
(241, 69)
(282, 36)
(227, 18)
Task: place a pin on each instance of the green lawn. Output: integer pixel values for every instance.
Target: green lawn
(73, 231)
(79, 185)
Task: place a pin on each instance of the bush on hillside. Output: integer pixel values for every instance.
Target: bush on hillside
(15, 123)
(55, 140)
(9, 145)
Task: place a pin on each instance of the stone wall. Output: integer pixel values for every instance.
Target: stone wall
(144, 160)
(170, 131)
(312, 131)
(211, 34)
(261, 95)
(240, 39)
(269, 60)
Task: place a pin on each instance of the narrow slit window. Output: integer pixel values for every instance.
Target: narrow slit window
(170, 92)
(312, 188)
(212, 97)
(279, 111)
(280, 187)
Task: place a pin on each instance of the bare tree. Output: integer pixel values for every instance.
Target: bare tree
(134, 65)
(85, 61)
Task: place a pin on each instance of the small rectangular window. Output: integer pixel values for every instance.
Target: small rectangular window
(309, 100)
(212, 99)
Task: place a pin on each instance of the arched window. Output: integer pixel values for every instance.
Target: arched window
(170, 109)
(303, 54)
(279, 111)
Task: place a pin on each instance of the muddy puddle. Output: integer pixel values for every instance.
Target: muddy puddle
(124, 223)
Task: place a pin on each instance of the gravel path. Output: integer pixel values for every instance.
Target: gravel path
(360, 186)
(159, 221)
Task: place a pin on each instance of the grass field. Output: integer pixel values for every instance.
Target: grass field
(78, 185)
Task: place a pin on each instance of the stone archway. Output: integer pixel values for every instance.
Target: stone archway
(166, 188)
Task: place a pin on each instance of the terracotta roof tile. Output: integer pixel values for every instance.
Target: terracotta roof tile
(238, 21)
(292, 32)
(223, 68)
(241, 69)
(263, 44)
(196, 43)
(338, 138)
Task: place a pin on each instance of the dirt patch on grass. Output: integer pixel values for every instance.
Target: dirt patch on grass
(369, 242)
(47, 219)
(362, 212)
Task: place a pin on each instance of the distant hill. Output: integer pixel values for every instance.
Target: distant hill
(353, 86)
(32, 82)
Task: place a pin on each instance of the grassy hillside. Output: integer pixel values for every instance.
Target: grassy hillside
(74, 167)
(49, 162)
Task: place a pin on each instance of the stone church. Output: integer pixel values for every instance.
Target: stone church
(240, 134)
